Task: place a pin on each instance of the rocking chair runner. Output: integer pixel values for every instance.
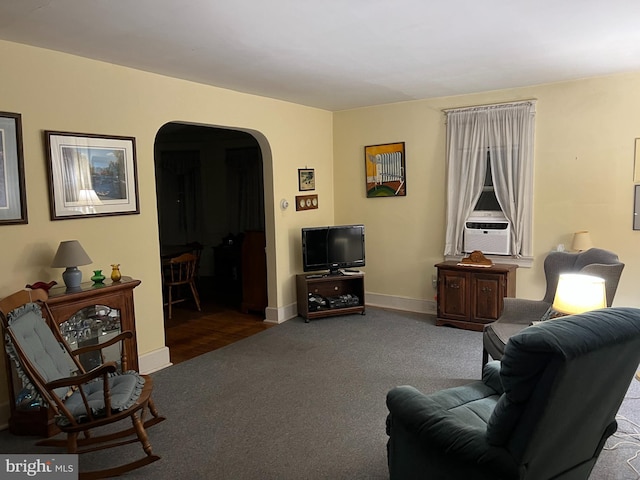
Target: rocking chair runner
(82, 401)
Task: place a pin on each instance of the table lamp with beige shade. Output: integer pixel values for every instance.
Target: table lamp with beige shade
(577, 293)
(581, 241)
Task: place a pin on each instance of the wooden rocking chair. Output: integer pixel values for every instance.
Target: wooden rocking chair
(82, 401)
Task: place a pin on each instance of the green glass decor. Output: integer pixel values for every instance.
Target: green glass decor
(98, 277)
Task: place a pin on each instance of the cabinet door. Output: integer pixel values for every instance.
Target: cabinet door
(453, 295)
(487, 292)
(91, 326)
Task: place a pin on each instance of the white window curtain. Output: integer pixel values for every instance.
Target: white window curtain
(76, 173)
(506, 131)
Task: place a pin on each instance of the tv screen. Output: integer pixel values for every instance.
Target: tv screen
(332, 248)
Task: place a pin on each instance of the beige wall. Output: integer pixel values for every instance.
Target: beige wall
(61, 92)
(585, 135)
(584, 155)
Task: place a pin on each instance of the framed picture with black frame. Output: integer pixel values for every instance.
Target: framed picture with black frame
(91, 175)
(306, 179)
(13, 201)
(385, 170)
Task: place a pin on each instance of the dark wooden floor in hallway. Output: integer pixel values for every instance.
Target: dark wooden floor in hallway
(191, 333)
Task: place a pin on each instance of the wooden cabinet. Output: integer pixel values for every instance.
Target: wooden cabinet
(117, 297)
(470, 297)
(330, 288)
(90, 315)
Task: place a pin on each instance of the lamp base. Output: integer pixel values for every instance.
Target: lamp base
(72, 277)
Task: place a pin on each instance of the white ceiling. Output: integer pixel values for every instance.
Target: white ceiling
(341, 54)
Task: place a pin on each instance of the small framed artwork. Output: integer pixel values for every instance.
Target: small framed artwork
(385, 170)
(636, 163)
(306, 179)
(636, 208)
(13, 201)
(91, 175)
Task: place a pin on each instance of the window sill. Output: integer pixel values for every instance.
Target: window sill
(523, 262)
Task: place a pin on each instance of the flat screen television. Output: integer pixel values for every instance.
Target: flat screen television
(332, 248)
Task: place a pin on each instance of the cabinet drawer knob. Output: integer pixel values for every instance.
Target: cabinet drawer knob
(335, 288)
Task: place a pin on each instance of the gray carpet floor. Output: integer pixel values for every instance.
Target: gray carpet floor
(307, 401)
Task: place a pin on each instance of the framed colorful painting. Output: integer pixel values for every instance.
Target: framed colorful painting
(385, 170)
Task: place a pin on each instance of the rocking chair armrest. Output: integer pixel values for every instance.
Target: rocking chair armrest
(99, 371)
(99, 346)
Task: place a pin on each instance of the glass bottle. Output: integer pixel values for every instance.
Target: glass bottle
(98, 277)
(115, 272)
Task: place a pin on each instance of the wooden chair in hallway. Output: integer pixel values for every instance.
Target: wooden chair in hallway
(177, 273)
(196, 249)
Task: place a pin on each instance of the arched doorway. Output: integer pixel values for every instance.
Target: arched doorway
(210, 192)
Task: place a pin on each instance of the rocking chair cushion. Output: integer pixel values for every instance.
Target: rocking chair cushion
(124, 388)
(39, 345)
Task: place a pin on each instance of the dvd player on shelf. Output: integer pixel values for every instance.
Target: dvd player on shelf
(342, 301)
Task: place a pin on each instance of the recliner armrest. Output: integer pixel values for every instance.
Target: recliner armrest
(523, 311)
(438, 421)
(491, 376)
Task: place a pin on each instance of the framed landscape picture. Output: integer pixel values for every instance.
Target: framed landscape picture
(13, 201)
(385, 170)
(91, 175)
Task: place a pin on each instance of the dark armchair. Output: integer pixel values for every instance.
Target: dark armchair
(518, 313)
(543, 412)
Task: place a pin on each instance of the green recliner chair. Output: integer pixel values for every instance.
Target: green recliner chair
(543, 412)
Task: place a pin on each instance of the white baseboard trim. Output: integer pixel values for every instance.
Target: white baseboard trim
(282, 314)
(154, 361)
(400, 303)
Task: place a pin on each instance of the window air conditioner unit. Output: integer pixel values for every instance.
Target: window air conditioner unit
(488, 234)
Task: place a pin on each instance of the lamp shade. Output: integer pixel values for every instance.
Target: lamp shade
(581, 241)
(70, 254)
(579, 293)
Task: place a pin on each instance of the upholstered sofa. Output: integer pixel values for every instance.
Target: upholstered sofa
(543, 412)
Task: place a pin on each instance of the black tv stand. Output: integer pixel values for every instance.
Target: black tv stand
(329, 285)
